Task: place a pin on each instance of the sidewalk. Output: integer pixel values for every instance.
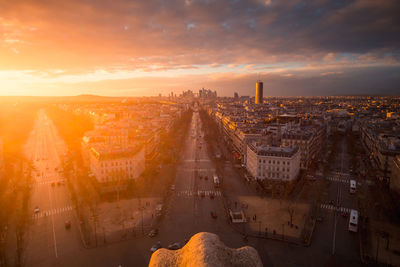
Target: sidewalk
(383, 244)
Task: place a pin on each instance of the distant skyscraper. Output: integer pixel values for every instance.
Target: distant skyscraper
(259, 92)
(236, 95)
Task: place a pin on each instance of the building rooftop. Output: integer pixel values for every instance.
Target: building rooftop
(273, 150)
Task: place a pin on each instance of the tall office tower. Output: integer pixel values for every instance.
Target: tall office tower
(259, 92)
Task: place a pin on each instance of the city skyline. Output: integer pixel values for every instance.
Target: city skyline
(133, 48)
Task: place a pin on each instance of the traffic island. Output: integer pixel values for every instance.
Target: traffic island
(113, 222)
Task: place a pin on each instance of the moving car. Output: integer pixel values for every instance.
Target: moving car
(153, 232)
(155, 247)
(175, 246)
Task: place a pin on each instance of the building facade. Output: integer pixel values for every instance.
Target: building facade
(273, 163)
(111, 166)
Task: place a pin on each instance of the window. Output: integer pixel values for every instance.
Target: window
(283, 162)
(264, 161)
(269, 162)
(278, 162)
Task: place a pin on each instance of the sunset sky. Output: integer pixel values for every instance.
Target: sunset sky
(132, 48)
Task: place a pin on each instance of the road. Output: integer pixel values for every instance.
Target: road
(332, 235)
(188, 208)
(47, 239)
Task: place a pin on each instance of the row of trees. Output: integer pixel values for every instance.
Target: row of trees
(16, 122)
(70, 126)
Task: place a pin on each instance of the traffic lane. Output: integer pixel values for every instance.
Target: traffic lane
(184, 180)
(323, 235)
(41, 243)
(347, 250)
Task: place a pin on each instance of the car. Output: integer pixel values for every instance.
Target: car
(155, 247)
(153, 232)
(67, 224)
(36, 209)
(175, 246)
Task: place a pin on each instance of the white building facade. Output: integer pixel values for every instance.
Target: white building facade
(273, 163)
(116, 165)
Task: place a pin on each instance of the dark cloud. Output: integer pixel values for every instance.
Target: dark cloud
(220, 31)
(82, 36)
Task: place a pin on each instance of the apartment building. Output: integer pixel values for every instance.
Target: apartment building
(308, 139)
(116, 165)
(273, 163)
(382, 145)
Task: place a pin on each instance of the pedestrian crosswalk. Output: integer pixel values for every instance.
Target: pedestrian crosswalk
(197, 160)
(189, 193)
(51, 212)
(200, 169)
(334, 208)
(50, 181)
(339, 179)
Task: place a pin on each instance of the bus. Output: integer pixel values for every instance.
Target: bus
(353, 221)
(216, 181)
(353, 186)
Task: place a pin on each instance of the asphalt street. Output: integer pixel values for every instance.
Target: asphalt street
(47, 239)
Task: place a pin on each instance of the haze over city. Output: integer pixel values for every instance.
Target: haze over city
(135, 48)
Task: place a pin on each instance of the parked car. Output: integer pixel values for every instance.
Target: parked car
(36, 209)
(153, 232)
(175, 246)
(67, 224)
(213, 215)
(155, 247)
